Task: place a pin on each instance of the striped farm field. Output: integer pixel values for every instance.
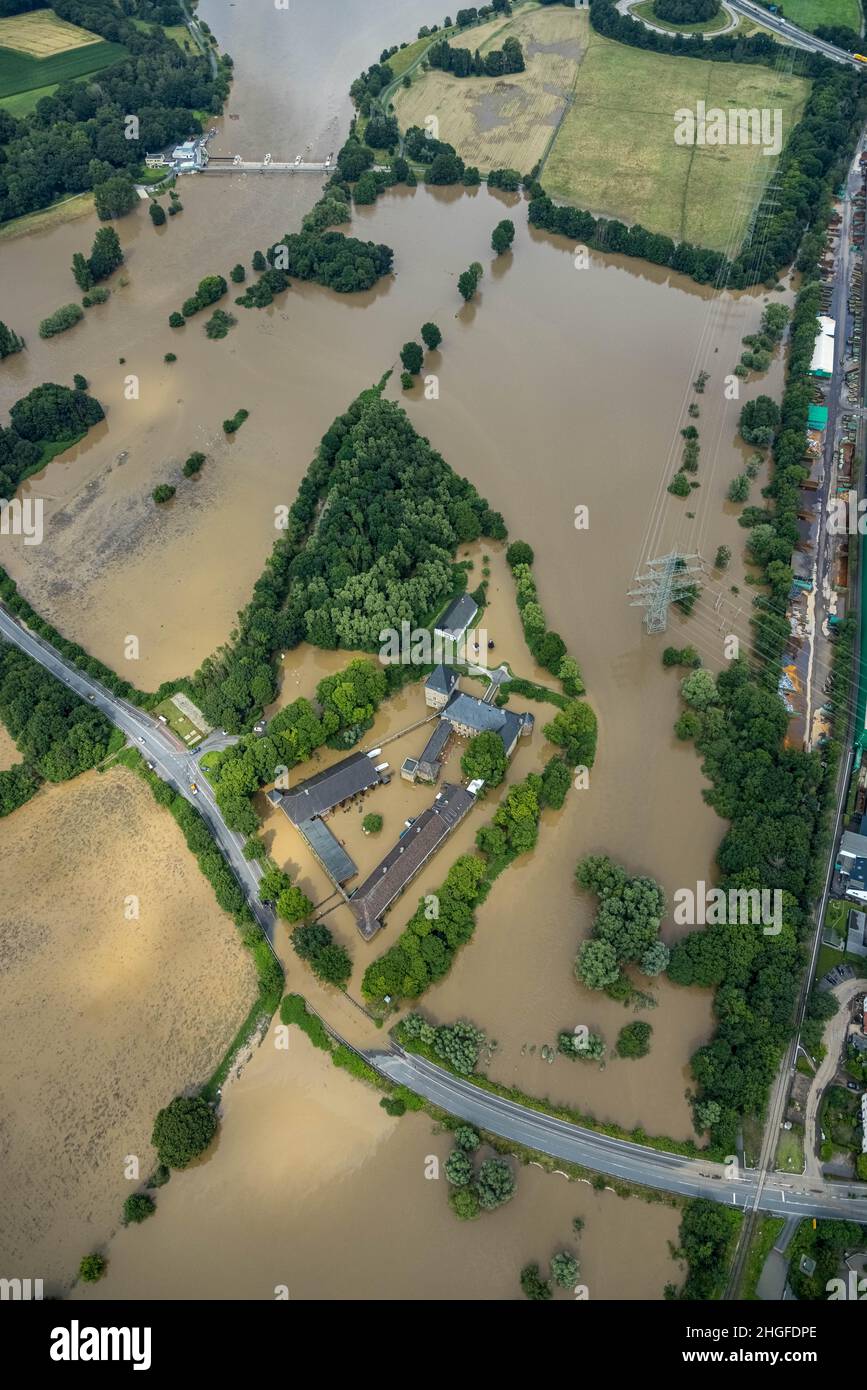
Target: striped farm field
(21, 73)
(40, 34)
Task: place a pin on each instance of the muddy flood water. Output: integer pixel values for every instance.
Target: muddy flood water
(111, 1015)
(558, 388)
(313, 1190)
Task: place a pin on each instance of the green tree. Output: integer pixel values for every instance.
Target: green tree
(465, 1204)
(9, 342)
(259, 262)
(237, 274)
(634, 1040)
(157, 213)
(502, 236)
(308, 941)
(81, 271)
(459, 1168)
(431, 336)
(699, 690)
(92, 1268)
(597, 966)
(106, 253)
(495, 1183)
(533, 1286)
(333, 965)
(564, 1269)
(372, 823)
(739, 488)
(176, 320)
(115, 197)
(138, 1208)
(466, 1138)
(468, 282)
(574, 730)
(182, 1130)
(292, 904)
(485, 757)
(412, 357)
(164, 492)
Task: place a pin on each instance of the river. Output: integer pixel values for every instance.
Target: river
(557, 388)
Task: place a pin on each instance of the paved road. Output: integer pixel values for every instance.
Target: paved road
(617, 1157)
(833, 1040)
(626, 6)
(781, 1194)
(799, 38)
(174, 763)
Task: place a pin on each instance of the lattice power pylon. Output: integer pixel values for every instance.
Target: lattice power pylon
(663, 582)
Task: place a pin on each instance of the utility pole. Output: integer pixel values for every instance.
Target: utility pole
(664, 581)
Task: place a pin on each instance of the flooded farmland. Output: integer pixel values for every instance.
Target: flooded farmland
(112, 1015)
(557, 388)
(319, 1192)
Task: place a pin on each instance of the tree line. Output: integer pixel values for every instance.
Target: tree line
(57, 734)
(49, 414)
(463, 62)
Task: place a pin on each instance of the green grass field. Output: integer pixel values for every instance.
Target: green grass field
(615, 153)
(807, 14)
(20, 73)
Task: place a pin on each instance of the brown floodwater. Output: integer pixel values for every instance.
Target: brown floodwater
(556, 388)
(312, 1188)
(105, 1015)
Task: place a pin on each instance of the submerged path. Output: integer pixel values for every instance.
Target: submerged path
(783, 1194)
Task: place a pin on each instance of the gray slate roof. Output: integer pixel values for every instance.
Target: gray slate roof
(455, 619)
(442, 679)
(328, 850)
(327, 789)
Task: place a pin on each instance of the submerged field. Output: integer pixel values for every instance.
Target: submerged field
(503, 121)
(110, 1017)
(610, 110)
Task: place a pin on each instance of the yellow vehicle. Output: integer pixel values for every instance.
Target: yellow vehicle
(859, 58)
(194, 788)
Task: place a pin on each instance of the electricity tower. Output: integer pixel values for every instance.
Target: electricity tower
(664, 581)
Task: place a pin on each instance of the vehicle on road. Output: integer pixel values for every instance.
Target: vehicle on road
(140, 739)
(194, 788)
(91, 697)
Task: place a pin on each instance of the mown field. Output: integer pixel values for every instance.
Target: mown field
(21, 73)
(810, 13)
(615, 153)
(40, 33)
(497, 122)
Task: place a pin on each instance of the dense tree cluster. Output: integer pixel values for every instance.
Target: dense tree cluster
(771, 795)
(339, 262)
(707, 1232)
(346, 701)
(57, 734)
(9, 342)
(485, 757)
(463, 62)
(48, 414)
(625, 929)
(580, 1048)
(329, 961)
(183, 1129)
(75, 138)
(456, 1044)
(106, 255)
(686, 11)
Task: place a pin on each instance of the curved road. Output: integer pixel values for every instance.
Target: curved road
(173, 762)
(782, 1194)
(799, 38)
